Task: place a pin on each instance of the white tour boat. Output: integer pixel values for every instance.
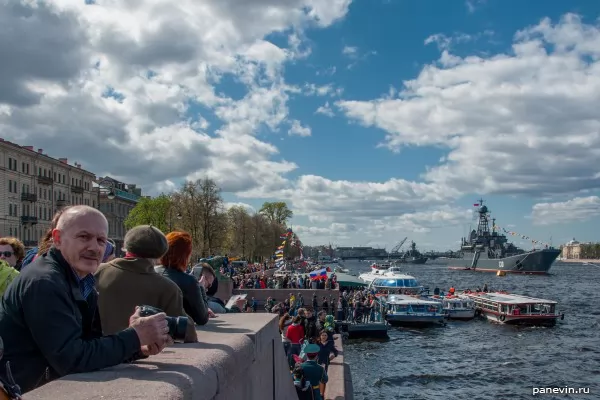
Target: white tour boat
(379, 270)
(459, 307)
(395, 282)
(413, 311)
(505, 308)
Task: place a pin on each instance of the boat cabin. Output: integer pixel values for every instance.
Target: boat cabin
(515, 309)
(409, 310)
(400, 284)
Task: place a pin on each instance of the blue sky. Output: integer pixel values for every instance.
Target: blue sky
(373, 119)
(389, 40)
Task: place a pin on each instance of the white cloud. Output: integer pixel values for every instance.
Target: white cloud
(350, 51)
(328, 71)
(384, 230)
(246, 206)
(472, 5)
(576, 209)
(520, 123)
(524, 122)
(162, 65)
(325, 110)
(445, 42)
(297, 129)
(311, 89)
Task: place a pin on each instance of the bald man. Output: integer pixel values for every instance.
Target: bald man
(49, 317)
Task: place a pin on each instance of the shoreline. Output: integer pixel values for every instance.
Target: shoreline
(579, 261)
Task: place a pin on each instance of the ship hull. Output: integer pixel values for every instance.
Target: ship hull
(534, 262)
(420, 260)
(415, 320)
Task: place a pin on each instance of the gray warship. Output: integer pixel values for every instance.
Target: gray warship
(491, 252)
(412, 256)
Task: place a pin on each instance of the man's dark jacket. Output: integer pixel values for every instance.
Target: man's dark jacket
(49, 330)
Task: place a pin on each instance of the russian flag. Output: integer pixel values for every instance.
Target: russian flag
(319, 274)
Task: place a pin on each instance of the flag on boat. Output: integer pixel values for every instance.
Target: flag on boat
(476, 205)
(319, 274)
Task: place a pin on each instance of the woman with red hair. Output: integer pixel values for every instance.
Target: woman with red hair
(173, 266)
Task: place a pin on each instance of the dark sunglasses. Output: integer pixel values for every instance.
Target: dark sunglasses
(6, 253)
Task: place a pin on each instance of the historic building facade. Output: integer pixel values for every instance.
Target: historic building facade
(33, 186)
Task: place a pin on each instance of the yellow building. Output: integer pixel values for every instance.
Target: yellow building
(115, 200)
(571, 250)
(33, 186)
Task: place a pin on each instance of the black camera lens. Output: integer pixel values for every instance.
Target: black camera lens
(177, 327)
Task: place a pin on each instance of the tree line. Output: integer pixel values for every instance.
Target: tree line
(589, 251)
(198, 208)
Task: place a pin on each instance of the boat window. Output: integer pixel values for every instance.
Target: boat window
(390, 282)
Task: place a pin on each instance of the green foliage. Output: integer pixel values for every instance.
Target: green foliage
(277, 212)
(198, 209)
(590, 251)
(151, 211)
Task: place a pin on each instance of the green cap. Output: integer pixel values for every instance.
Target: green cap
(311, 349)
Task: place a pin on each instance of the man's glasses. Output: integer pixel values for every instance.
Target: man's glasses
(6, 253)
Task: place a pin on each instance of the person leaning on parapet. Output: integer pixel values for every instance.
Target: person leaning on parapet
(207, 278)
(126, 282)
(48, 316)
(173, 266)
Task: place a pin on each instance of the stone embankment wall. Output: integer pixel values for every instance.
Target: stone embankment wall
(340, 380)
(239, 356)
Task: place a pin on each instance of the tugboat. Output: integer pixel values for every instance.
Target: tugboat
(413, 256)
(491, 252)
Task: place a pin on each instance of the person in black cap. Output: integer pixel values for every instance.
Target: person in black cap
(125, 283)
(313, 372)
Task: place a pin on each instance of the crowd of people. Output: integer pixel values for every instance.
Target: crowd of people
(286, 281)
(69, 306)
(308, 339)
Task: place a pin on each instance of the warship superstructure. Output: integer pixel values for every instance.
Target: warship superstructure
(486, 250)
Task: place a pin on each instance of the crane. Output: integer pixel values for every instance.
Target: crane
(398, 246)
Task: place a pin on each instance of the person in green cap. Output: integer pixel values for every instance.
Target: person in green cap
(313, 372)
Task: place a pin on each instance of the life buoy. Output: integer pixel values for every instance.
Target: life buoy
(502, 317)
(562, 316)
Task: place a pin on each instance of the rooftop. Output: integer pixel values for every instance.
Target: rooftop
(40, 153)
(507, 298)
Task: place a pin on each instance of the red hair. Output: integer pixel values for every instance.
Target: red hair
(180, 250)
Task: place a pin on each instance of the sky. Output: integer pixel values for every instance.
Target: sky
(374, 120)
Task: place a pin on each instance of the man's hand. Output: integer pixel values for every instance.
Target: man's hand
(211, 314)
(150, 330)
(152, 349)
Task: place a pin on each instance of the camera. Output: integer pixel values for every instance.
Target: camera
(177, 325)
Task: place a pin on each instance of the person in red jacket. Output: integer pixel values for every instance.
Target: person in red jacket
(295, 334)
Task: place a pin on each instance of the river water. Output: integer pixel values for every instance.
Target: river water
(479, 360)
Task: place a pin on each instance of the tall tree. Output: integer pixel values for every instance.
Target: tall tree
(277, 212)
(188, 203)
(151, 211)
(211, 204)
(241, 231)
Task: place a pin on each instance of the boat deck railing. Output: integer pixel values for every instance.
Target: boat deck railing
(351, 315)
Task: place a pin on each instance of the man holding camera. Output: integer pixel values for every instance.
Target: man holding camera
(49, 318)
(125, 282)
